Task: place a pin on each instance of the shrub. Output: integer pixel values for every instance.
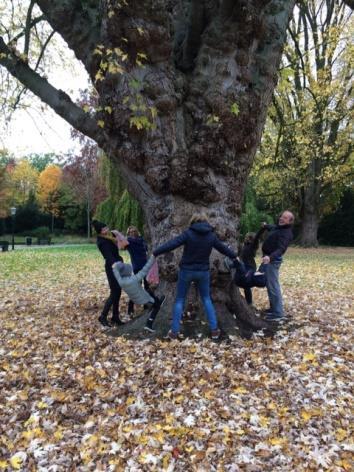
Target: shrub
(252, 216)
(42, 232)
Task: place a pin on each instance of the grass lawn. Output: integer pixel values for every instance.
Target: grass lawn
(74, 399)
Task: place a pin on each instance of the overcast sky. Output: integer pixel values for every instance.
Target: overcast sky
(40, 130)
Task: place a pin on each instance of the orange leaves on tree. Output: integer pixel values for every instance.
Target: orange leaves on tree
(48, 188)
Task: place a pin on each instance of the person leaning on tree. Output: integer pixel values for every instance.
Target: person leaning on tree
(107, 245)
(273, 248)
(198, 241)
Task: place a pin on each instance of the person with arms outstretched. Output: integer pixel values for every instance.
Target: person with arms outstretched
(198, 241)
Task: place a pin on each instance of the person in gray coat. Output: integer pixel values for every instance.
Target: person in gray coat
(131, 284)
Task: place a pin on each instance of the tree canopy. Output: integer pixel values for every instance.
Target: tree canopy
(306, 156)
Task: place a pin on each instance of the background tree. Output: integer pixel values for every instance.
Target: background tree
(5, 163)
(41, 161)
(82, 174)
(23, 182)
(72, 212)
(119, 209)
(183, 89)
(254, 210)
(306, 157)
(48, 193)
(3, 191)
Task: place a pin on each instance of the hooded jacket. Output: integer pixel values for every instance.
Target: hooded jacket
(277, 241)
(198, 241)
(132, 284)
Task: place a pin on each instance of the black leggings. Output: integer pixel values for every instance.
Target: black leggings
(114, 296)
(248, 295)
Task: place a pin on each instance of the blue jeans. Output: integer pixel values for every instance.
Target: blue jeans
(273, 287)
(202, 281)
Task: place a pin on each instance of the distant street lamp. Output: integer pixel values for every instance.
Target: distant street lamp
(13, 214)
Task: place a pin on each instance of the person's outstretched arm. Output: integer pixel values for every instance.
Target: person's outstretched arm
(171, 244)
(145, 270)
(221, 247)
(258, 235)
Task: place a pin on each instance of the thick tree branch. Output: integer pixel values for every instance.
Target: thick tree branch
(79, 24)
(58, 100)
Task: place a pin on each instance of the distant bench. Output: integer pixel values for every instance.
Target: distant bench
(4, 245)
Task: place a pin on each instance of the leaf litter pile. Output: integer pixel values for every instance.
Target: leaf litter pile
(73, 398)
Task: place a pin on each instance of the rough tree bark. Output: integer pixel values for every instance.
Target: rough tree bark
(209, 70)
(309, 211)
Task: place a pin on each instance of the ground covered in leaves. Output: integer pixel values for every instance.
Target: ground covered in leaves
(74, 399)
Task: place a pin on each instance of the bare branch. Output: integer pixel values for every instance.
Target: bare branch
(58, 100)
(28, 27)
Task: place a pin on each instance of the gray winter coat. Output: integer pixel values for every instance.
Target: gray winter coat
(132, 284)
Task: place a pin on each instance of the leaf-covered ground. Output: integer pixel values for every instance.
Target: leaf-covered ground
(74, 399)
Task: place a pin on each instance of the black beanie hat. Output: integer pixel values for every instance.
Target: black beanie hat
(98, 225)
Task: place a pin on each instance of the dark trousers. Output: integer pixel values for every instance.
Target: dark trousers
(242, 271)
(154, 309)
(248, 295)
(147, 288)
(114, 296)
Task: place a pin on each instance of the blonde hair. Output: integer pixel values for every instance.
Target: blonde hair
(198, 216)
(132, 228)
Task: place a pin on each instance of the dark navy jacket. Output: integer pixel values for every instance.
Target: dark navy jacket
(277, 241)
(198, 240)
(137, 249)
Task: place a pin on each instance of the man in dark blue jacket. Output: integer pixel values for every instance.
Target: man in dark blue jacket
(198, 241)
(273, 248)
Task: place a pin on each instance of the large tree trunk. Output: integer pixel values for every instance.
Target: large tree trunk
(200, 153)
(184, 126)
(309, 211)
(309, 228)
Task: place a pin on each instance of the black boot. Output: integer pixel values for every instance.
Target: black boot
(103, 320)
(116, 321)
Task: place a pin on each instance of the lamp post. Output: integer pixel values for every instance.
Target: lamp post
(13, 214)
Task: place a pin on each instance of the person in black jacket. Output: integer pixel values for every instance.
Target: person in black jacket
(107, 245)
(273, 248)
(248, 254)
(198, 241)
